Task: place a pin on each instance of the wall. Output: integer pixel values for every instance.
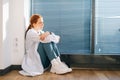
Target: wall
(17, 24)
(5, 59)
(6, 34)
(1, 59)
(12, 28)
(27, 7)
(20, 14)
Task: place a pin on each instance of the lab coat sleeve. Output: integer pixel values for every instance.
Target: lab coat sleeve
(51, 38)
(36, 38)
(55, 38)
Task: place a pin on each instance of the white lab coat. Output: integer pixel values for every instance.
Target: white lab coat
(32, 64)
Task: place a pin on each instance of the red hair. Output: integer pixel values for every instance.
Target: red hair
(34, 18)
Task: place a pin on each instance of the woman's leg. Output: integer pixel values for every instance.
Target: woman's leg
(51, 53)
(43, 56)
(55, 49)
(58, 57)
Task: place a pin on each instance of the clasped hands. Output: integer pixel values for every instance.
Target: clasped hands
(44, 35)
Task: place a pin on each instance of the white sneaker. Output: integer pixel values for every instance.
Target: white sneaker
(58, 68)
(63, 64)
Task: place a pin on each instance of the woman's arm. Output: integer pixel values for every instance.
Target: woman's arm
(32, 35)
(51, 38)
(44, 35)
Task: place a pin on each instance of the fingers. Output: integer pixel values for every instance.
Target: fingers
(42, 37)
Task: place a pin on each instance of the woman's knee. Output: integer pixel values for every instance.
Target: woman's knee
(47, 44)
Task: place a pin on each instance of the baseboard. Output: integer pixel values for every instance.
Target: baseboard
(102, 62)
(10, 68)
(16, 67)
(96, 66)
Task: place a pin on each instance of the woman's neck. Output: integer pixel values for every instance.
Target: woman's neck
(35, 29)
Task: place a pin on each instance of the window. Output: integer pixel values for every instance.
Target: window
(71, 19)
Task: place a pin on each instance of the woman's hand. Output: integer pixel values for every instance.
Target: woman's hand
(44, 35)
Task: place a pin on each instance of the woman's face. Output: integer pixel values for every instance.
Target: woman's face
(39, 24)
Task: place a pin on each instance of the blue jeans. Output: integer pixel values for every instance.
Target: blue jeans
(47, 52)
